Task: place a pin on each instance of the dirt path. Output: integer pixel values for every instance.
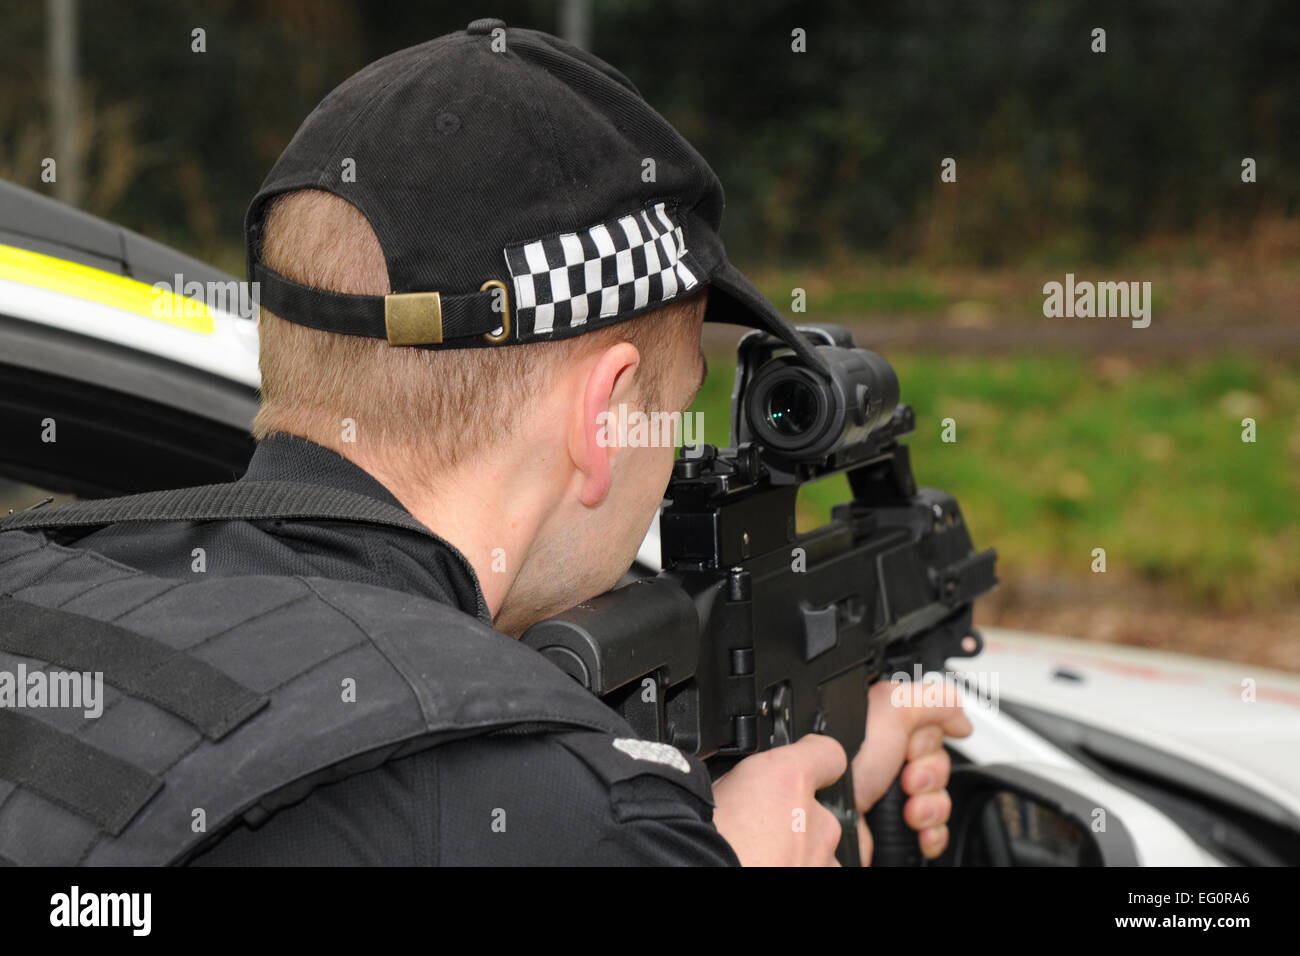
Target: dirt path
(1141, 615)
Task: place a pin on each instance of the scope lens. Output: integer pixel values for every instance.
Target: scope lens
(791, 408)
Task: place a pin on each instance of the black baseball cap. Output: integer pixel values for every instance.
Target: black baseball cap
(522, 190)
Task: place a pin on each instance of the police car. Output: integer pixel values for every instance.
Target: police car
(115, 378)
(110, 385)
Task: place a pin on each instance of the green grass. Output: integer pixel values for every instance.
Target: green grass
(883, 292)
(1054, 458)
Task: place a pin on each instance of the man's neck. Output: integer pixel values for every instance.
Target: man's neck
(464, 508)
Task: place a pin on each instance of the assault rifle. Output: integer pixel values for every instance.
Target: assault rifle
(753, 636)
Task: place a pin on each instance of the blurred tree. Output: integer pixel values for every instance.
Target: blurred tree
(831, 152)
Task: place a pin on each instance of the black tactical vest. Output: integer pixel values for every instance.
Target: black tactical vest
(227, 698)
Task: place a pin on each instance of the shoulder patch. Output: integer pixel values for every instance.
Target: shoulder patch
(618, 759)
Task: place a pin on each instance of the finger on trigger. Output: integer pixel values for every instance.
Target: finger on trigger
(824, 757)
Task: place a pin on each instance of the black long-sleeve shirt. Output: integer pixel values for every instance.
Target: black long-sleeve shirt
(537, 799)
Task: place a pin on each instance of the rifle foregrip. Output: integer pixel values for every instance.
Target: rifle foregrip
(894, 843)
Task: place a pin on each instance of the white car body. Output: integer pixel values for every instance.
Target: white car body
(1193, 707)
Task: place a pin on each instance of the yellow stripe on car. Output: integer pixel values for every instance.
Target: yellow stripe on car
(106, 288)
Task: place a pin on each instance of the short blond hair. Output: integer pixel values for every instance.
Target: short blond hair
(410, 405)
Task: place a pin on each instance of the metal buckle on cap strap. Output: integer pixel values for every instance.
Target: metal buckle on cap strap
(413, 318)
(504, 334)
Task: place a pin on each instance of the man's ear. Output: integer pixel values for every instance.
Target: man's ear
(593, 432)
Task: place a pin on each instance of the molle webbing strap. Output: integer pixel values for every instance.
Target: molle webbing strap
(191, 689)
(95, 785)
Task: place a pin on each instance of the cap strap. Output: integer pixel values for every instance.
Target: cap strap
(417, 318)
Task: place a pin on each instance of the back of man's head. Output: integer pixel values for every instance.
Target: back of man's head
(473, 255)
(491, 189)
(420, 411)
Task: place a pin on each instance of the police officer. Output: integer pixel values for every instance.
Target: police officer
(475, 257)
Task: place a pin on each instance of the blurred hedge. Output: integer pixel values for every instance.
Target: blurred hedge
(834, 152)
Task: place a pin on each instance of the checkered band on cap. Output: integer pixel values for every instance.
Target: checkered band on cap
(600, 275)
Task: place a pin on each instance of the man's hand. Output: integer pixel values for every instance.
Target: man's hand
(767, 806)
(901, 725)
